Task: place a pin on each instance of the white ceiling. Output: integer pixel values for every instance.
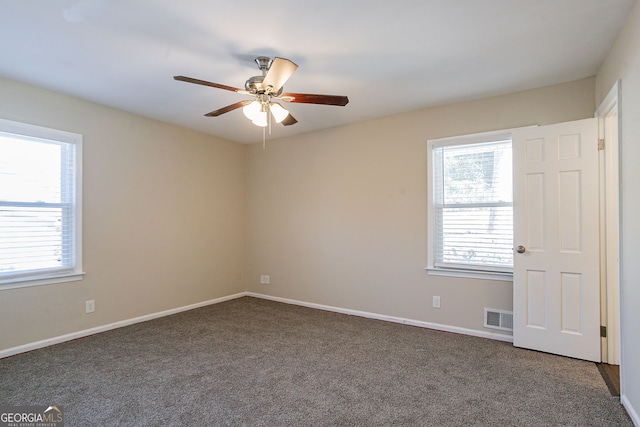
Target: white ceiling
(388, 57)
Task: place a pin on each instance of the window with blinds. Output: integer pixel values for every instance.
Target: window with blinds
(39, 209)
(471, 206)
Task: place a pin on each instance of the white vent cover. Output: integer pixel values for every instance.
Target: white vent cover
(498, 319)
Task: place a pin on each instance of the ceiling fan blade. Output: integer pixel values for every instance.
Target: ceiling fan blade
(308, 98)
(279, 72)
(289, 120)
(206, 83)
(228, 108)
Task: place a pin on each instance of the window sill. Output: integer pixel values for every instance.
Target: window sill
(470, 274)
(28, 281)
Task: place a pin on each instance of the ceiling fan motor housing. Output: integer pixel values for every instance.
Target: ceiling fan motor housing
(254, 85)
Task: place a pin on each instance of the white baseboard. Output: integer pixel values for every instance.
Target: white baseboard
(419, 323)
(630, 410)
(84, 333)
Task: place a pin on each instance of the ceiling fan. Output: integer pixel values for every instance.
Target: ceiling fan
(265, 90)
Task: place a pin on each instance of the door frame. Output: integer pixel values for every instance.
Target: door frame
(609, 116)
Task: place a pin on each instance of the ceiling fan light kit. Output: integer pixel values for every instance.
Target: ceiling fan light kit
(254, 112)
(266, 88)
(259, 110)
(278, 112)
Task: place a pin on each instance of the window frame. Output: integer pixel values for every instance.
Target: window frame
(501, 274)
(75, 272)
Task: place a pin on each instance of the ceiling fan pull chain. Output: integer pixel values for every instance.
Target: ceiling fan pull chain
(264, 144)
(270, 118)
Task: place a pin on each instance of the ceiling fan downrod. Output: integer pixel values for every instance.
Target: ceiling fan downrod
(264, 62)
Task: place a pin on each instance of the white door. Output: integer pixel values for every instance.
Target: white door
(556, 288)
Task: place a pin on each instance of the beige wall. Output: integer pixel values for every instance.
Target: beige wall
(335, 217)
(339, 217)
(623, 63)
(163, 219)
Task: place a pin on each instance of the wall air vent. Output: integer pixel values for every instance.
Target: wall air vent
(498, 319)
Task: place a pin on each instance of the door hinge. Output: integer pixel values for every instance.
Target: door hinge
(601, 144)
(603, 331)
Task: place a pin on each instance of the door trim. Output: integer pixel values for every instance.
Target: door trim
(609, 116)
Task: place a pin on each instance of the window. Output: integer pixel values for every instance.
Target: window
(471, 206)
(40, 209)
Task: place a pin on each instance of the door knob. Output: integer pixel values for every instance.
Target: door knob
(521, 249)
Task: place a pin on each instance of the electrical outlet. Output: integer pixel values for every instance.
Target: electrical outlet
(436, 301)
(264, 279)
(90, 306)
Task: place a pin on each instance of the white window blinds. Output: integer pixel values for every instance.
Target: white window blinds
(473, 206)
(38, 207)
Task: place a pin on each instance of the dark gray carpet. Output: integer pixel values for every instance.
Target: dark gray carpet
(250, 362)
